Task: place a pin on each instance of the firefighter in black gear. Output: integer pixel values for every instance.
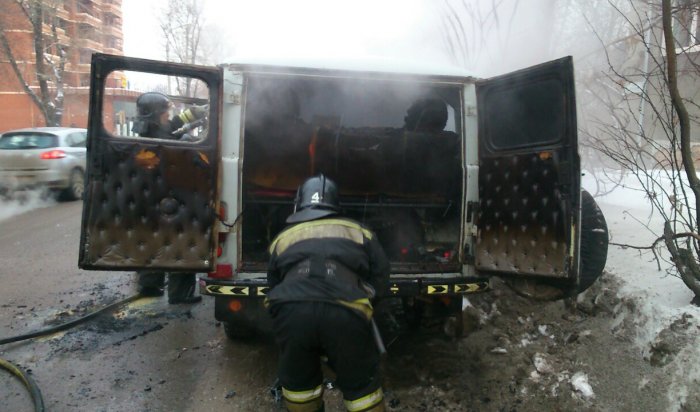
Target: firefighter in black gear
(153, 111)
(324, 272)
(153, 121)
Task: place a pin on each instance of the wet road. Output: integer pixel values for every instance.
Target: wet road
(148, 356)
(151, 356)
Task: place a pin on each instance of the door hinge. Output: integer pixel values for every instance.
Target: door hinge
(472, 207)
(234, 98)
(469, 258)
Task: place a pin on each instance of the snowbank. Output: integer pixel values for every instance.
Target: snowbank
(654, 302)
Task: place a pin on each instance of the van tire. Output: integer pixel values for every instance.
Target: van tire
(238, 330)
(594, 242)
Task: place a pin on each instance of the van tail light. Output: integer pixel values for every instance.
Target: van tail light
(235, 305)
(222, 235)
(223, 271)
(53, 154)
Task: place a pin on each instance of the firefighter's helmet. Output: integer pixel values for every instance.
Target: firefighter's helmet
(149, 107)
(317, 197)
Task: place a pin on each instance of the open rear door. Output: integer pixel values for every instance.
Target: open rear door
(150, 202)
(529, 183)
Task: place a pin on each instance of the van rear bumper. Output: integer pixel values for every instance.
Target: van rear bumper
(398, 286)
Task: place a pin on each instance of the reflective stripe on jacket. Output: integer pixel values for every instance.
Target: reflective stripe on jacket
(332, 260)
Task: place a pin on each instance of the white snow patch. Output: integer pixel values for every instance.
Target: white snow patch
(581, 386)
(554, 390)
(541, 364)
(650, 297)
(487, 316)
(542, 329)
(685, 373)
(643, 383)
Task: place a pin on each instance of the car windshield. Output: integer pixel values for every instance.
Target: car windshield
(19, 141)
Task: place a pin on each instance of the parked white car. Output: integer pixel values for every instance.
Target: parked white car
(44, 157)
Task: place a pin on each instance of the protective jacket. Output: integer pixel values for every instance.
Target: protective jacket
(335, 260)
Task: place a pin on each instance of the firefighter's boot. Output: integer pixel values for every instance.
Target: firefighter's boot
(181, 288)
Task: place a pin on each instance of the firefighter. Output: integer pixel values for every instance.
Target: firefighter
(426, 115)
(324, 272)
(153, 121)
(153, 111)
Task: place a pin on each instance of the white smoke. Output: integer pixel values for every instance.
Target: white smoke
(22, 202)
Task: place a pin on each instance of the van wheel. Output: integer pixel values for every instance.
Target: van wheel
(76, 186)
(593, 254)
(238, 330)
(594, 242)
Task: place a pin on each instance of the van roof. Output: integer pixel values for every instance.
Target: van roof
(362, 64)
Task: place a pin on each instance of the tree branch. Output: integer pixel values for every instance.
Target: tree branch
(678, 104)
(5, 44)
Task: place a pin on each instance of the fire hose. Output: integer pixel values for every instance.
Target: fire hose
(23, 376)
(28, 382)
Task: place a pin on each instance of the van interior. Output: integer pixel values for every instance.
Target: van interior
(393, 148)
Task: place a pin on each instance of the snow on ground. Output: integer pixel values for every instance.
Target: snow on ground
(653, 302)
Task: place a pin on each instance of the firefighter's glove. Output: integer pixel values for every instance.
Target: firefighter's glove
(194, 113)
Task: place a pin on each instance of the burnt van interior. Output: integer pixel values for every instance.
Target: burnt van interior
(393, 148)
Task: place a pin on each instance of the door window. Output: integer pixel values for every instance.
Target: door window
(155, 106)
(530, 115)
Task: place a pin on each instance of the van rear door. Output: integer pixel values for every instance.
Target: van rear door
(529, 183)
(150, 203)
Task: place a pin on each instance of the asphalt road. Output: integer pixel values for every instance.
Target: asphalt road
(151, 356)
(148, 356)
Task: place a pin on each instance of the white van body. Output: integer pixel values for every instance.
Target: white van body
(461, 178)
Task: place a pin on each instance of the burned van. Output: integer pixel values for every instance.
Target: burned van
(462, 179)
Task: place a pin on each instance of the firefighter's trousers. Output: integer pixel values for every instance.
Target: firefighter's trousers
(305, 331)
(180, 285)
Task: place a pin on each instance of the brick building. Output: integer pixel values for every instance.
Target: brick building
(83, 27)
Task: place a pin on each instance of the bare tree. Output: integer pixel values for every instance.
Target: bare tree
(643, 123)
(635, 118)
(182, 25)
(500, 35)
(684, 247)
(49, 57)
(469, 27)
